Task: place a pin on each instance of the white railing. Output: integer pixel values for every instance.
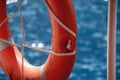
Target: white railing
(111, 41)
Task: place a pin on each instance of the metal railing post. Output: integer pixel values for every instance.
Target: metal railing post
(111, 40)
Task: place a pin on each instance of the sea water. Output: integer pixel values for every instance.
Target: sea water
(91, 15)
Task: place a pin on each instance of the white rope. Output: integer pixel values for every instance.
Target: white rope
(51, 52)
(59, 21)
(23, 37)
(8, 17)
(39, 49)
(11, 43)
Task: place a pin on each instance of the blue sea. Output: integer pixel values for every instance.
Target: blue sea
(91, 15)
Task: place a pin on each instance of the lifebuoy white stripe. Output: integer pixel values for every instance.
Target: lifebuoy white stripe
(42, 75)
(4, 45)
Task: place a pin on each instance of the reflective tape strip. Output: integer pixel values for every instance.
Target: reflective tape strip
(4, 45)
(42, 75)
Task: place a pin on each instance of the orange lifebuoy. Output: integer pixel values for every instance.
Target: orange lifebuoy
(63, 41)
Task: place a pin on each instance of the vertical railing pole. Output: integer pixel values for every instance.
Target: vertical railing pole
(111, 41)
